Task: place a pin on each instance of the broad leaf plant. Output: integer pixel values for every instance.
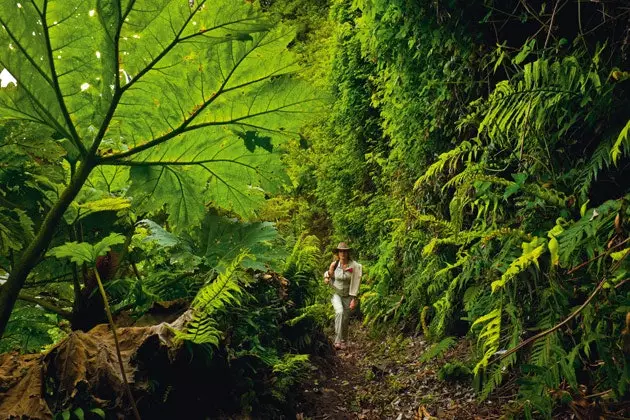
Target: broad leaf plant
(173, 104)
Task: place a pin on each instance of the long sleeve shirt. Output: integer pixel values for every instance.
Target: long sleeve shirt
(346, 282)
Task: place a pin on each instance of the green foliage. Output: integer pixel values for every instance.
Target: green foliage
(31, 330)
(456, 371)
(479, 170)
(217, 240)
(437, 349)
(16, 230)
(173, 114)
(531, 253)
(472, 176)
(222, 239)
(622, 140)
(163, 121)
(220, 293)
(289, 371)
(79, 414)
(82, 252)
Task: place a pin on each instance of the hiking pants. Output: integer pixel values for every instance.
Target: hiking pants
(342, 316)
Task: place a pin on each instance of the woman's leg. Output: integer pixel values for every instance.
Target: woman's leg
(339, 311)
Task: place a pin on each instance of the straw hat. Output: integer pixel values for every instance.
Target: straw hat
(342, 247)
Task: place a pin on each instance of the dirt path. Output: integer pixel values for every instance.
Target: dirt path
(382, 378)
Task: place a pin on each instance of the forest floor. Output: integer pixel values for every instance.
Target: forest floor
(383, 378)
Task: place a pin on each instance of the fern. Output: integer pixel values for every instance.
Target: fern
(582, 234)
(437, 349)
(600, 159)
(304, 257)
(531, 253)
(537, 99)
(289, 370)
(440, 225)
(490, 335)
(621, 143)
(449, 160)
(497, 373)
(218, 295)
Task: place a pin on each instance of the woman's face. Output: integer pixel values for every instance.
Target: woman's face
(343, 255)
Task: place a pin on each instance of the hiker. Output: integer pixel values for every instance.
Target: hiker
(344, 276)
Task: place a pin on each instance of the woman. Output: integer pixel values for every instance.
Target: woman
(344, 275)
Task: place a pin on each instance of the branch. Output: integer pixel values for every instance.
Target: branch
(46, 305)
(567, 319)
(603, 254)
(553, 16)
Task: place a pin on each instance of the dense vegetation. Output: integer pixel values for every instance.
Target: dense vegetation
(474, 152)
(134, 162)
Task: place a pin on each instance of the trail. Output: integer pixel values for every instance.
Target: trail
(381, 377)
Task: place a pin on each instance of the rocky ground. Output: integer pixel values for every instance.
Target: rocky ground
(382, 377)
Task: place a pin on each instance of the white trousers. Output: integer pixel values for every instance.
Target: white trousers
(342, 316)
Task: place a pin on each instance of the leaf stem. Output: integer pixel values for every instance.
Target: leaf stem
(112, 326)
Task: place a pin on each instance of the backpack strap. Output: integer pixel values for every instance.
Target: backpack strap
(335, 268)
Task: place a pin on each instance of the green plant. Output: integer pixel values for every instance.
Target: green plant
(220, 293)
(455, 371)
(99, 79)
(437, 349)
(84, 253)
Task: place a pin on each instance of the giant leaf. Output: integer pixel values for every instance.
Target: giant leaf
(221, 239)
(194, 96)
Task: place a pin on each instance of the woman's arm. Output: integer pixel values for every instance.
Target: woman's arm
(355, 281)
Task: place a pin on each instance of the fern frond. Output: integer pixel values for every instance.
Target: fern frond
(531, 253)
(536, 99)
(433, 244)
(466, 177)
(503, 232)
(437, 349)
(222, 292)
(305, 255)
(490, 335)
(442, 226)
(622, 144)
(582, 235)
(495, 378)
(599, 160)
(449, 160)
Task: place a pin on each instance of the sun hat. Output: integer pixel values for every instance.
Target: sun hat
(342, 247)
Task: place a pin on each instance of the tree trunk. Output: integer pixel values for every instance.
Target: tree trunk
(26, 262)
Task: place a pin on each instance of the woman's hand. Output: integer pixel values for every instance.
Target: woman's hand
(353, 303)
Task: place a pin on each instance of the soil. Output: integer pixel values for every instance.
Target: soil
(382, 377)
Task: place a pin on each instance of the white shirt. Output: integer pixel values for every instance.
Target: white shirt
(354, 270)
